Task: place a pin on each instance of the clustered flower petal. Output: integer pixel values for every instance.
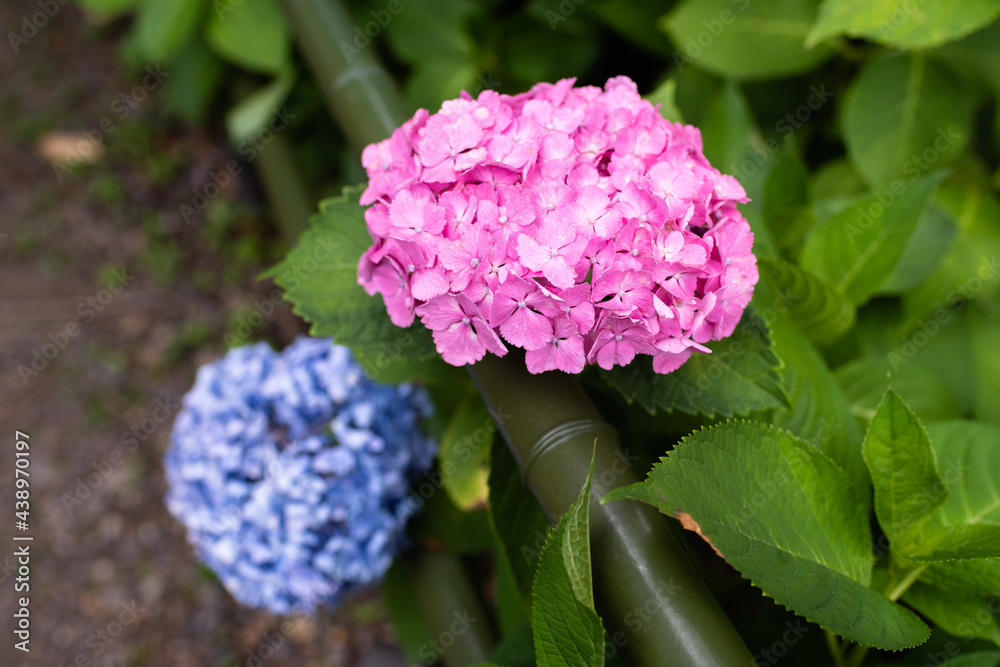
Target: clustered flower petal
(575, 223)
(292, 472)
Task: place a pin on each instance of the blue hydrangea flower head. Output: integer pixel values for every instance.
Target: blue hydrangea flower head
(292, 472)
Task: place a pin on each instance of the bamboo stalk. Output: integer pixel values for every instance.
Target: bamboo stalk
(358, 91)
(640, 569)
(451, 608)
(279, 176)
(286, 192)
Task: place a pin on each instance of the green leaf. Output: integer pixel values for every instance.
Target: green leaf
(977, 54)
(734, 145)
(814, 306)
(961, 616)
(464, 451)
(729, 133)
(836, 179)
(785, 203)
(516, 517)
(738, 377)
(904, 116)
(746, 40)
(858, 249)
(924, 250)
(903, 25)
(666, 96)
(435, 80)
(818, 411)
(863, 382)
(425, 30)
(434, 40)
(251, 115)
(576, 546)
(513, 610)
(193, 81)
(252, 34)
(537, 52)
(984, 332)
(319, 277)
(635, 20)
(567, 630)
(959, 543)
(785, 516)
(384, 364)
(517, 649)
(977, 659)
(943, 345)
(163, 27)
(970, 268)
(696, 89)
(905, 477)
(967, 524)
(976, 577)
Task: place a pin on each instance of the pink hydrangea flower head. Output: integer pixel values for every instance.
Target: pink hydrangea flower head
(575, 223)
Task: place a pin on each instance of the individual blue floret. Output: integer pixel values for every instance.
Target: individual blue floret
(291, 472)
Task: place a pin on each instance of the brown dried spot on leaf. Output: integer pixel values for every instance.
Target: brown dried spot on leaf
(688, 522)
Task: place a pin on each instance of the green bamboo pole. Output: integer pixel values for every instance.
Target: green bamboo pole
(640, 570)
(451, 608)
(284, 187)
(358, 91)
(288, 197)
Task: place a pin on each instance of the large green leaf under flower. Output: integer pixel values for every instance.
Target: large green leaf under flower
(786, 516)
(739, 376)
(320, 278)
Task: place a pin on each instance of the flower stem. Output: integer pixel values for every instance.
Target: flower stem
(856, 656)
(900, 584)
(638, 564)
(836, 649)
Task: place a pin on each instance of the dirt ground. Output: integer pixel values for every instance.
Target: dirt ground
(109, 301)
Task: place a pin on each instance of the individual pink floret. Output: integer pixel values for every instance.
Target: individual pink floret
(460, 332)
(564, 351)
(521, 311)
